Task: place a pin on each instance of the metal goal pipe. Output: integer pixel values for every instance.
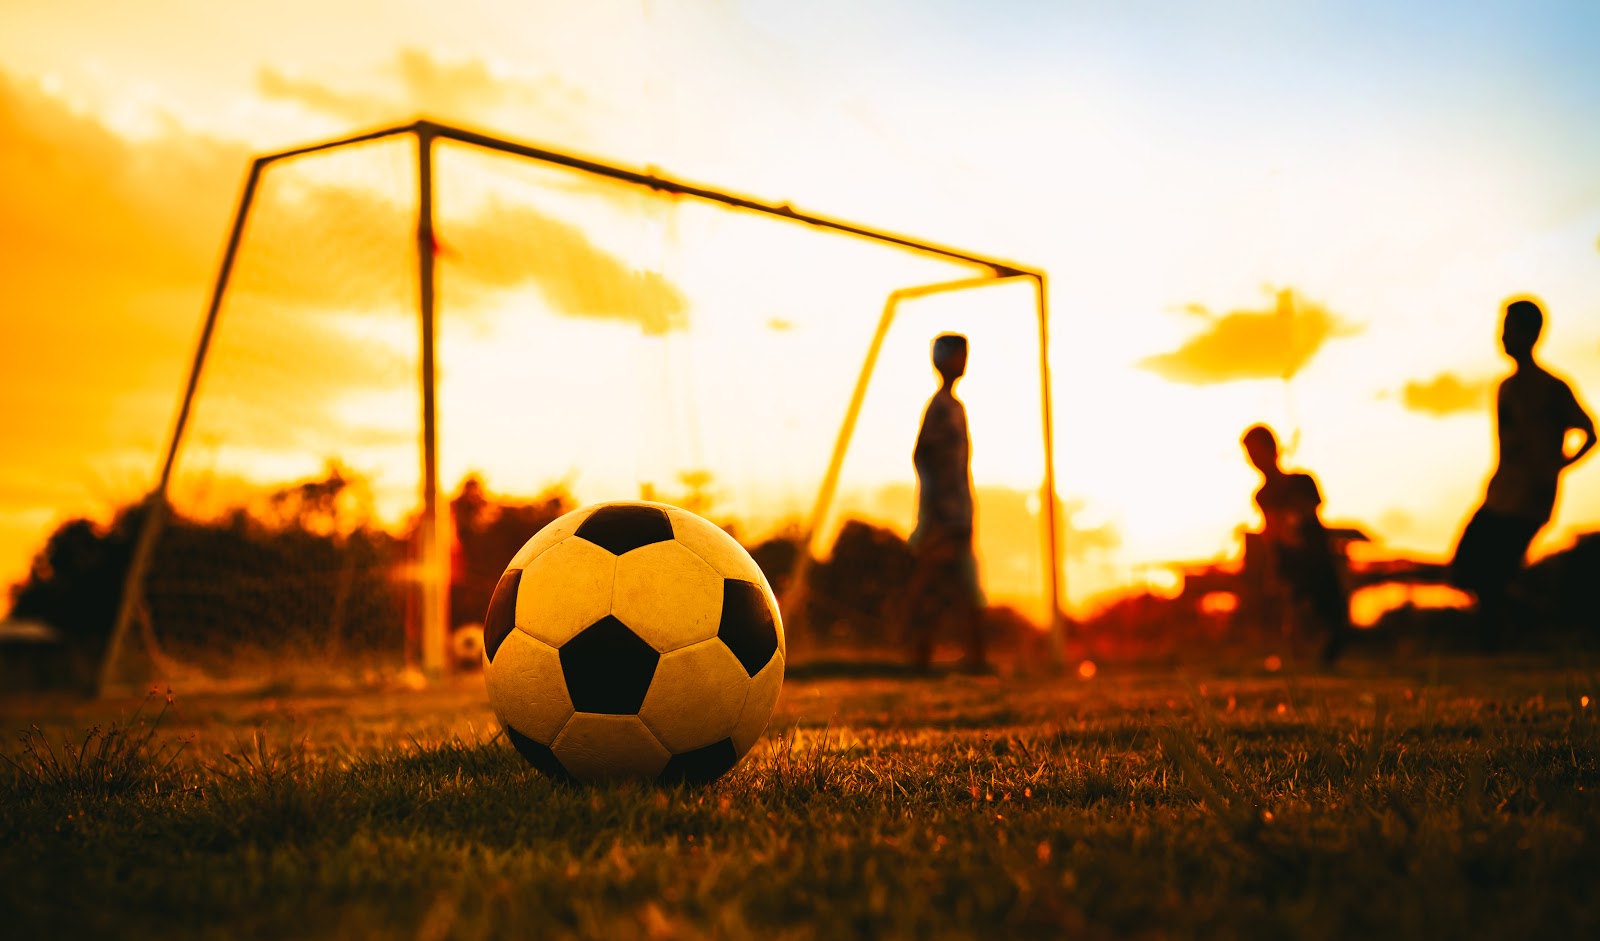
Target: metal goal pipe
(131, 604)
(799, 579)
(132, 595)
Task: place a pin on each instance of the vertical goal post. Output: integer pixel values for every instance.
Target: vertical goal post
(432, 545)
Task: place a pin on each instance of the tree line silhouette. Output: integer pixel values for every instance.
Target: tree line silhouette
(309, 573)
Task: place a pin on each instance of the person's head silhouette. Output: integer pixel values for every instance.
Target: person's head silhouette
(950, 356)
(1262, 447)
(1523, 323)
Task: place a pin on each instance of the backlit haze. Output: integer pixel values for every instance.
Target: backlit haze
(1303, 214)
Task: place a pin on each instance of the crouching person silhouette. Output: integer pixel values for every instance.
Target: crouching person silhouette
(1298, 548)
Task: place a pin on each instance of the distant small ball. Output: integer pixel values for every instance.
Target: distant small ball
(633, 640)
(466, 646)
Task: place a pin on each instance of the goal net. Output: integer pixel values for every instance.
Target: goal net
(594, 338)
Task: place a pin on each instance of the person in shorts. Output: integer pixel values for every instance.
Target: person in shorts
(1301, 555)
(944, 584)
(1535, 413)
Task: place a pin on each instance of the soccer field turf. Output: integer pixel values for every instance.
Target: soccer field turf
(1452, 798)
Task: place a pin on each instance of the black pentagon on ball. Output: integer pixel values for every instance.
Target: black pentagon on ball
(608, 668)
(701, 766)
(502, 617)
(626, 527)
(539, 755)
(747, 627)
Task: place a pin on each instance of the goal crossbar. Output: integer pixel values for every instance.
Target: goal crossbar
(434, 607)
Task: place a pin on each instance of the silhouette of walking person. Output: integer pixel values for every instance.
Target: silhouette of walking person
(944, 585)
(1299, 550)
(1535, 413)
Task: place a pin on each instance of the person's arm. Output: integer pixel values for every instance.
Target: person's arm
(1579, 420)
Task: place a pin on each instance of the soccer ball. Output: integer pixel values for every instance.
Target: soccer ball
(633, 640)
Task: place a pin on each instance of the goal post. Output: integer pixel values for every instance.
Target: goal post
(795, 596)
(433, 565)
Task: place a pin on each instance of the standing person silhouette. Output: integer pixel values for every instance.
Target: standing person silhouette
(1535, 412)
(1299, 550)
(944, 585)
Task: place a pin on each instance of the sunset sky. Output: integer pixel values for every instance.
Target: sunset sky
(1341, 192)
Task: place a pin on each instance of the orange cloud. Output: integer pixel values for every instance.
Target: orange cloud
(1274, 343)
(506, 246)
(102, 270)
(105, 273)
(1447, 394)
(315, 248)
(420, 84)
(323, 99)
(341, 248)
(110, 245)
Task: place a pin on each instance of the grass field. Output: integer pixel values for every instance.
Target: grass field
(1440, 799)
